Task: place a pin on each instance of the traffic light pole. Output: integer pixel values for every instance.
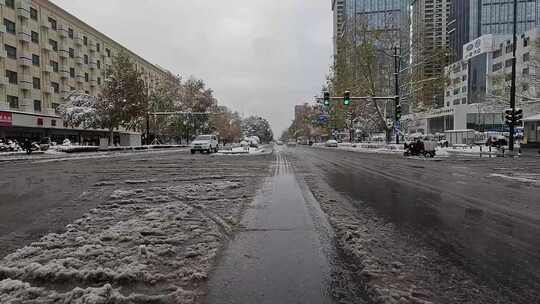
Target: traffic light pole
(397, 101)
(513, 87)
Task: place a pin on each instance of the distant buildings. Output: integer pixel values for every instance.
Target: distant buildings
(469, 43)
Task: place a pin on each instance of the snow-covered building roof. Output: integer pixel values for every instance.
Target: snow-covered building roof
(533, 118)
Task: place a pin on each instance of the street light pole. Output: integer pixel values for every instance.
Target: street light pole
(397, 100)
(513, 87)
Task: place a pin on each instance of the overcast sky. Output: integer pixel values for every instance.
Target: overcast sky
(260, 56)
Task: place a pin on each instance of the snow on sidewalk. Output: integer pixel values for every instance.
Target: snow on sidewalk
(154, 244)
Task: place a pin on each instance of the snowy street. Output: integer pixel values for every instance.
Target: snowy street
(299, 225)
(132, 229)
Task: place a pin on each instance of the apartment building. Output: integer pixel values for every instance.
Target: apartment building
(46, 54)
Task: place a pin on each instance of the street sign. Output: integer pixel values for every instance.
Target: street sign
(6, 119)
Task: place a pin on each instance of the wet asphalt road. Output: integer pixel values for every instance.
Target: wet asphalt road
(468, 209)
(281, 254)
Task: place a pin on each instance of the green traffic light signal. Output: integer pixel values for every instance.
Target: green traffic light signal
(326, 99)
(347, 98)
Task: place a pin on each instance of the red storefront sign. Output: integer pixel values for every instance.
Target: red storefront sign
(6, 119)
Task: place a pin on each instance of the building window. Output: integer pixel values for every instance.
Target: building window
(85, 40)
(508, 77)
(497, 66)
(12, 76)
(456, 102)
(508, 63)
(56, 88)
(497, 53)
(54, 65)
(40, 121)
(108, 52)
(54, 45)
(85, 59)
(86, 77)
(99, 64)
(13, 102)
(33, 13)
(37, 83)
(526, 57)
(10, 26)
(526, 42)
(10, 3)
(525, 71)
(37, 105)
(86, 92)
(53, 23)
(464, 89)
(509, 48)
(72, 88)
(35, 60)
(72, 72)
(55, 106)
(464, 100)
(71, 53)
(70, 33)
(11, 51)
(53, 123)
(98, 47)
(525, 87)
(99, 80)
(35, 37)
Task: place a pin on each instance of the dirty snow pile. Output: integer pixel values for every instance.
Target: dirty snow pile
(144, 245)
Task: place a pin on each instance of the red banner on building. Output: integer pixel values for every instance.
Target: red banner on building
(6, 119)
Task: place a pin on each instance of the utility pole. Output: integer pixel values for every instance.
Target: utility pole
(513, 87)
(397, 105)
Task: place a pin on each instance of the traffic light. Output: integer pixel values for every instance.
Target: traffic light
(509, 116)
(347, 98)
(398, 111)
(326, 99)
(518, 116)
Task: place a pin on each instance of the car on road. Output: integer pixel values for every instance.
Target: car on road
(331, 143)
(279, 143)
(205, 143)
(291, 143)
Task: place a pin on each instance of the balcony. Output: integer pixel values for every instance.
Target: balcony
(26, 84)
(92, 47)
(47, 69)
(64, 72)
(46, 47)
(63, 31)
(78, 39)
(25, 59)
(47, 90)
(108, 60)
(79, 60)
(24, 36)
(63, 53)
(93, 82)
(79, 78)
(3, 53)
(93, 65)
(2, 28)
(45, 22)
(23, 9)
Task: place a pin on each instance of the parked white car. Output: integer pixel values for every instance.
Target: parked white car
(331, 143)
(205, 143)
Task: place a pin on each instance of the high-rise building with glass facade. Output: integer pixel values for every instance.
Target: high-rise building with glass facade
(357, 17)
(471, 19)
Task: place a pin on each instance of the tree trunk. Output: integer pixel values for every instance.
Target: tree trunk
(111, 136)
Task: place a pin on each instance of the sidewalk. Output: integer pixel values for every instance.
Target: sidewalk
(278, 257)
